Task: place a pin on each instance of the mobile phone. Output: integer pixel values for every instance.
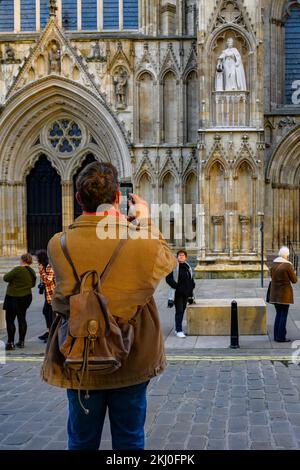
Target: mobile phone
(125, 189)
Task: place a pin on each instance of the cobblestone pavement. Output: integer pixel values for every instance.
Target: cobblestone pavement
(213, 398)
(193, 405)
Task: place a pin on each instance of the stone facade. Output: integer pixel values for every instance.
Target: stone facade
(161, 104)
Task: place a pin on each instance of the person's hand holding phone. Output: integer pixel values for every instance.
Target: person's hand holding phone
(139, 207)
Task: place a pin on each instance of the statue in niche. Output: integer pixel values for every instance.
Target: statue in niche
(97, 55)
(9, 56)
(54, 59)
(120, 82)
(230, 73)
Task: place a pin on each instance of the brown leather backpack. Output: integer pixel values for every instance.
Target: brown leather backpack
(91, 338)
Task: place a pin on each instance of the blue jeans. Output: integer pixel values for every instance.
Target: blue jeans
(180, 306)
(127, 413)
(280, 321)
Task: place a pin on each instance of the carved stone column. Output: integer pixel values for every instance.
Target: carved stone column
(67, 203)
(245, 233)
(218, 222)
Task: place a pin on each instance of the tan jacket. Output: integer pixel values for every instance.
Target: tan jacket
(282, 274)
(132, 281)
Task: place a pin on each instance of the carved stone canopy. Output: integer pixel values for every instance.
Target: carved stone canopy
(244, 219)
(52, 8)
(217, 219)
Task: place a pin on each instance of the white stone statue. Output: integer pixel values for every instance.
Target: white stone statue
(230, 74)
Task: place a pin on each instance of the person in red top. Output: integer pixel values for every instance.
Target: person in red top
(47, 286)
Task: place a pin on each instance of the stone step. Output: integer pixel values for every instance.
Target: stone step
(8, 263)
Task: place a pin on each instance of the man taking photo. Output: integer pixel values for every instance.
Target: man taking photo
(128, 291)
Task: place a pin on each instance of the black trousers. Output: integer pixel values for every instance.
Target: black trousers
(48, 314)
(180, 306)
(282, 311)
(16, 307)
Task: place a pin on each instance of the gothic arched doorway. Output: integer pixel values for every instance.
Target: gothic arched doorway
(44, 204)
(88, 159)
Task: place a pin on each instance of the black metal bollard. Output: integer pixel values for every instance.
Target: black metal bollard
(234, 336)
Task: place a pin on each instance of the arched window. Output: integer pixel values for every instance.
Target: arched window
(69, 14)
(28, 12)
(89, 14)
(131, 14)
(7, 15)
(146, 108)
(170, 108)
(145, 189)
(168, 199)
(192, 107)
(111, 14)
(292, 54)
(115, 18)
(44, 12)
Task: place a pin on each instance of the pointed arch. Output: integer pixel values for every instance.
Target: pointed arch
(31, 108)
(170, 107)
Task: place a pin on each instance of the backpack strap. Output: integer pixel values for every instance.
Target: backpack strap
(120, 245)
(63, 243)
(112, 259)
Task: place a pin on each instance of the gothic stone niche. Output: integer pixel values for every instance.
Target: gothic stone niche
(216, 203)
(120, 80)
(54, 54)
(230, 80)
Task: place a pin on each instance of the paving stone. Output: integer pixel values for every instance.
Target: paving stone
(17, 439)
(286, 441)
(261, 446)
(238, 392)
(237, 410)
(184, 427)
(216, 444)
(199, 429)
(177, 437)
(278, 415)
(216, 433)
(201, 418)
(37, 443)
(161, 430)
(184, 417)
(237, 441)
(275, 405)
(196, 443)
(256, 393)
(238, 424)
(281, 427)
(56, 445)
(294, 418)
(259, 433)
(166, 418)
(257, 404)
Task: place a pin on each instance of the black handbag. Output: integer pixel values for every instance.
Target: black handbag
(41, 288)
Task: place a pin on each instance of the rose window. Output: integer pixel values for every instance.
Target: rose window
(65, 136)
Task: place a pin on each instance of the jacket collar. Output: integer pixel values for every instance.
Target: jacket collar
(88, 220)
(279, 259)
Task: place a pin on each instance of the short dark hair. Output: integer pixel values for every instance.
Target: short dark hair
(182, 251)
(97, 184)
(26, 258)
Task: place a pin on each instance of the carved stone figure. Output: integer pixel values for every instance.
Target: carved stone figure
(120, 82)
(97, 55)
(230, 74)
(54, 59)
(9, 54)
